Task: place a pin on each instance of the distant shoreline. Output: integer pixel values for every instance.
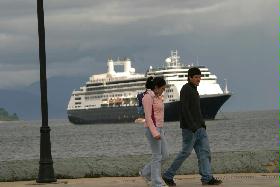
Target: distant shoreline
(221, 112)
(5, 116)
(5, 121)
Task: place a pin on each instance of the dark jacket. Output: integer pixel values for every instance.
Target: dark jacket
(190, 112)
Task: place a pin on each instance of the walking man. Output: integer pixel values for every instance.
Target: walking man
(193, 132)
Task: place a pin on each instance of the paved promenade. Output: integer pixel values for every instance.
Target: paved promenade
(229, 180)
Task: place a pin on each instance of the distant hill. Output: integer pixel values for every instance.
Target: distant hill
(26, 102)
(5, 116)
(26, 105)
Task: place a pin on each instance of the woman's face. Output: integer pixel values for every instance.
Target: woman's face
(159, 90)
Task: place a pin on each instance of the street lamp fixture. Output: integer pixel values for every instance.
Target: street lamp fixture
(46, 171)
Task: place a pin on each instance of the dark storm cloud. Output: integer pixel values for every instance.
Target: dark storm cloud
(226, 35)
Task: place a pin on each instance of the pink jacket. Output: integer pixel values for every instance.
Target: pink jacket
(152, 102)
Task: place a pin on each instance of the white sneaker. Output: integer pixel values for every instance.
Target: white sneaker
(148, 181)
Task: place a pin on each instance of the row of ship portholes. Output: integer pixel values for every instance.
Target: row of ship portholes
(119, 102)
(107, 96)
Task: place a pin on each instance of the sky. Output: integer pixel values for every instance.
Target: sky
(236, 39)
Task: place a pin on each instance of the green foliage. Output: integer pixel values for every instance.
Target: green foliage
(5, 116)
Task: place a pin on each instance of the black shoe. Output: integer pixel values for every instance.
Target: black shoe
(169, 182)
(213, 181)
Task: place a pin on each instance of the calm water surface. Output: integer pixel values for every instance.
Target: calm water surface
(236, 131)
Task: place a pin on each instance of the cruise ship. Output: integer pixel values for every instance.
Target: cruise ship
(111, 97)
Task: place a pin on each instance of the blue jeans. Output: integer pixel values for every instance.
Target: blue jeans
(199, 141)
(152, 170)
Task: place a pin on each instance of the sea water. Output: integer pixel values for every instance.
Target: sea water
(234, 131)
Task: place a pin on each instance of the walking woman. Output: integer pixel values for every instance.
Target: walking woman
(154, 117)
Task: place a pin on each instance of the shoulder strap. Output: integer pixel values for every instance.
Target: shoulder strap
(153, 116)
(153, 112)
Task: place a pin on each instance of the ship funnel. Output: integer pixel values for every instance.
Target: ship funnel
(110, 65)
(127, 65)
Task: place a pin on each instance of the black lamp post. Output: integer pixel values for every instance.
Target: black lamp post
(46, 171)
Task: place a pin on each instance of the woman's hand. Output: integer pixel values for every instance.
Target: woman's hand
(157, 137)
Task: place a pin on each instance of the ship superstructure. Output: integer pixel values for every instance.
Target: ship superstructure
(111, 89)
(176, 75)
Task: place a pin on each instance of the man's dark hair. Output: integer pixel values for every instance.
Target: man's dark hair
(193, 71)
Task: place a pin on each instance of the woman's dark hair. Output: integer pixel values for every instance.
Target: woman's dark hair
(152, 82)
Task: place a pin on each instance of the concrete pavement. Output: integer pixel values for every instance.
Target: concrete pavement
(229, 180)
